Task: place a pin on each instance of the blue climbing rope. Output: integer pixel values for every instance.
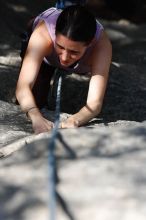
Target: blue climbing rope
(61, 4)
(54, 196)
(51, 157)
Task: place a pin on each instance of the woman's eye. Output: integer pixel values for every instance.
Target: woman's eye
(60, 47)
(75, 53)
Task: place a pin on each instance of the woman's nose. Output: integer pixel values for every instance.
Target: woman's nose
(65, 56)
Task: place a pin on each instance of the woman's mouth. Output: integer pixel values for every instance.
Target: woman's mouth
(64, 63)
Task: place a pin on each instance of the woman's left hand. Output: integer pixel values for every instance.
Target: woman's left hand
(69, 123)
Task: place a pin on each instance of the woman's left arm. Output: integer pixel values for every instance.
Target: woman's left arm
(101, 60)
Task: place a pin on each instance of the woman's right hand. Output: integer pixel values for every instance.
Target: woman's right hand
(39, 123)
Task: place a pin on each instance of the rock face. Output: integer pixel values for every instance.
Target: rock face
(104, 177)
(105, 180)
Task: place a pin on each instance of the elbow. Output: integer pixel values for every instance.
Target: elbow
(17, 93)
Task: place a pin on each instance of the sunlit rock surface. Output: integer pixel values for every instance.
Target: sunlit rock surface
(104, 178)
(103, 175)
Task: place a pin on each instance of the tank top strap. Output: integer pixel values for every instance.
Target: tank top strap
(99, 29)
(49, 17)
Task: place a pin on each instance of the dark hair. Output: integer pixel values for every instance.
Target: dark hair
(76, 23)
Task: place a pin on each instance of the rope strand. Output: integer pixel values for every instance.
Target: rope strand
(51, 157)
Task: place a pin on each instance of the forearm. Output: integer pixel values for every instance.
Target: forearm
(27, 102)
(25, 98)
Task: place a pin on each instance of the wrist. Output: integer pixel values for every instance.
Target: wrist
(75, 120)
(30, 109)
(32, 112)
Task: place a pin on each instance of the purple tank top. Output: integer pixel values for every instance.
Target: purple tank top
(50, 17)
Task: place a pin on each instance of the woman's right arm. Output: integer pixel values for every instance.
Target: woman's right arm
(39, 46)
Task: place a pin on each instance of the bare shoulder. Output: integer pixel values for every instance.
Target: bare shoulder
(102, 46)
(103, 40)
(40, 39)
(101, 55)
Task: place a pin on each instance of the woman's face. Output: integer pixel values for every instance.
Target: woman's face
(69, 51)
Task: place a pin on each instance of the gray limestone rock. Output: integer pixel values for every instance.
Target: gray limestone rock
(102, 174)
(104, 178)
